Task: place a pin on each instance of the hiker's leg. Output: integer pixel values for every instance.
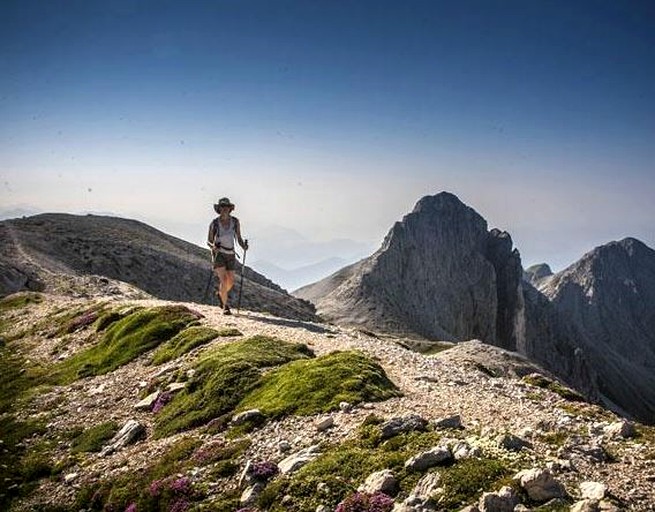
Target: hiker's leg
(229, 284)
(221, 273)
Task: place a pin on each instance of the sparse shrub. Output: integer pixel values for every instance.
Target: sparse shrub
(538, 380)
(263, 471)
(92, 439)
(464, 482)
(20, 300)
(161, 401)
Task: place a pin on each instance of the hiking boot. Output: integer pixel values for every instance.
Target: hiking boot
(226, 310)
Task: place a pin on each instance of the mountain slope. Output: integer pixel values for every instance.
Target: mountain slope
(38, 252)
(482, 407)
(610, 294)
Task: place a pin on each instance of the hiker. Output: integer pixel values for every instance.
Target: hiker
(223, 230)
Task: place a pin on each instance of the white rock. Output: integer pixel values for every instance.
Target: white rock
(297, 460)
(621, 428)
(324, 424)
(503, 500)
(147, 403)
(539, 484)
(176, 386)
(345, 406)
(380, 481)
(593, 490)
(70, 477)
(429, 458)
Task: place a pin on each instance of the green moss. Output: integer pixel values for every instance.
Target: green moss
(19, 300)
(540, 381)
(93, 439)
(223, 376)
(465, 481)
(319, 385)
(125, 340)
(18, 468)
(184, 342)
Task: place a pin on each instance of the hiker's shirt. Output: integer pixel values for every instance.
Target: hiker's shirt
(223, 236)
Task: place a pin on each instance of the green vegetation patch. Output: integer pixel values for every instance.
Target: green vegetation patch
(19, 300)
(19, 469)
(345, 466)
(187, 340)
(319, 385)
(465, 481)
(540, 381)
(223, 377)
(92, 439)
(125, 340)
(160, 486)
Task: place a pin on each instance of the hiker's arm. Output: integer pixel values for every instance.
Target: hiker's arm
(211, 236)
(243, 243)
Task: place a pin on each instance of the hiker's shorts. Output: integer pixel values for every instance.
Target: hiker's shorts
(229, 261)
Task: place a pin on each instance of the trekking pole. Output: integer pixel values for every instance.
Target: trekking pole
(243, 266)
(211, 276)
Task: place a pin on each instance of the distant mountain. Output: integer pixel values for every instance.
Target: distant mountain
(49, 250)
(535, 273)
(442, 275)
(610, 294)
(287, 248)
(290, 279)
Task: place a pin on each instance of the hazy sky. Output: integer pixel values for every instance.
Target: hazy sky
(334, 117)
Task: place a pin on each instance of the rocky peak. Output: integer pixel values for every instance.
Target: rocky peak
(439, 273)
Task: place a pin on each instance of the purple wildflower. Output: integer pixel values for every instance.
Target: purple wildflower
(180, 485)
(263, 471)
(161, 401)
(363, 502)
(380, 502)
(180, 505)
(131, 507)
(156, 487)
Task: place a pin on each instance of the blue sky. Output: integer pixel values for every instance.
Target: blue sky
(334, 117)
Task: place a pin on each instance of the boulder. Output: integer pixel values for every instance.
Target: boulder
(297, 460)
(147, 403)
(620, 429)
(428, 459)
(540, 484)
(246, 416)
(380, 481)
(131, 432)
(395, 426)
(503, 500)
(454, 421)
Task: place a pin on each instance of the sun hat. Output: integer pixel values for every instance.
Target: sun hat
(223, 201)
